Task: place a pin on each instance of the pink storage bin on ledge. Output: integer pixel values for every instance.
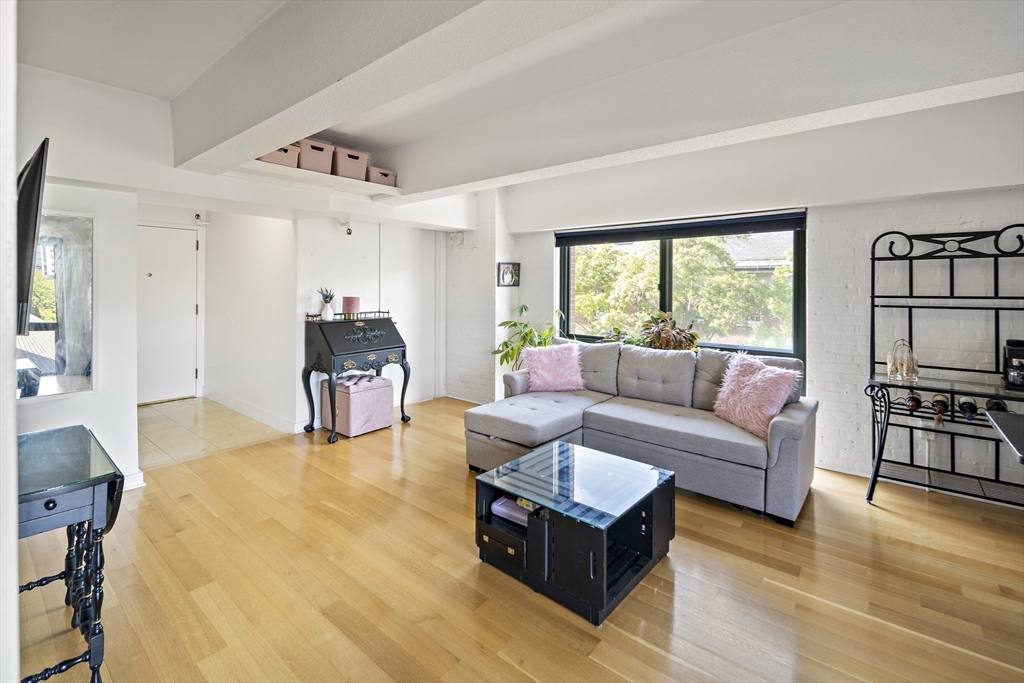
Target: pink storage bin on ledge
(350, 164)
(381, 176)
(285, 156)
(315, 156)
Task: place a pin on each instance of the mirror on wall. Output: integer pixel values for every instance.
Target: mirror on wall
(56, 356)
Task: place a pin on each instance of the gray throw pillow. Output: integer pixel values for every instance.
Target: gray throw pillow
(600, 365)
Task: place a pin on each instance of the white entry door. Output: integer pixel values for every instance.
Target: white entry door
(168, 313)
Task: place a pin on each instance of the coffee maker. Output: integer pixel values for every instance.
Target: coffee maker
(1013, 364)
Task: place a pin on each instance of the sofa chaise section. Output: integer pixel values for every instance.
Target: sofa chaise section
(657, 407)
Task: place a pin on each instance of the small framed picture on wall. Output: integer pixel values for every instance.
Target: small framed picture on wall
(508, 274)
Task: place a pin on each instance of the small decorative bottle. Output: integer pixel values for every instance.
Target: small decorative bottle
(940, 404)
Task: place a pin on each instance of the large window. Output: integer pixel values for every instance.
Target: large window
(740, 282)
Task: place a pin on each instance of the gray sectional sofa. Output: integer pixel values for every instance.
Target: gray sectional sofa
(657, 407)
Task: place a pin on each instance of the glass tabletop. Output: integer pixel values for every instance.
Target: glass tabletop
(992, 389)
(61, 458)
(587, 485)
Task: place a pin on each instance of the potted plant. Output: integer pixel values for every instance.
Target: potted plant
(660, 331)
(521, 335)
(326, 313)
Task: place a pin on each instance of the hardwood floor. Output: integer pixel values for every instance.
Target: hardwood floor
(296, 560)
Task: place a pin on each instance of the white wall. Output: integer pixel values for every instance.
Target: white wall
(109, 409)
(475, 304)
(392, 270)
(249, 316)
(838, 285)
(538, 275)
(838, 246)
(10, 651)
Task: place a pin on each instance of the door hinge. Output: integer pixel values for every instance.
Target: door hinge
(197, 245)
(197, 373)
(197, 309)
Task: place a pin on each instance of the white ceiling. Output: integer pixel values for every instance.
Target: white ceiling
(154, 47)
(459, 95)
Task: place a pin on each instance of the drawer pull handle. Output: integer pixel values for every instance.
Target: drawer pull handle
(50, 504)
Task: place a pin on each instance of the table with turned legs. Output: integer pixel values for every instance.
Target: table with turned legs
(66, 480)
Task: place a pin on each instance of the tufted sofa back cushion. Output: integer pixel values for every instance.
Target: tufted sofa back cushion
(711, 366)
(656, 375)
(600, 365)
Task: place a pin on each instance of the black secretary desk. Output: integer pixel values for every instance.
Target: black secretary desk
(366, 343)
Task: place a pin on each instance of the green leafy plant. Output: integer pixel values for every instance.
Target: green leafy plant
(522, 335)
(326, 294)
(617, 334)
(660, 331)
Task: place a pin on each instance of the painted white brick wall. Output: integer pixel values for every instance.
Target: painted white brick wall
(475, 304)
(838, 286)
(539, 275)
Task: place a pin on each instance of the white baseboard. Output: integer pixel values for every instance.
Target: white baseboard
(281, 424)
(133, 481)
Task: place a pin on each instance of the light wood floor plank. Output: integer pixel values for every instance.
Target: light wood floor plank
(296, 560)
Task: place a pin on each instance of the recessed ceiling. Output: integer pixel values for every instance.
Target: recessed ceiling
(153, 47)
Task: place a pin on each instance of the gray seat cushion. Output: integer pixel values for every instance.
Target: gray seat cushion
(533, 418)
(686, 429)
(600, 365)
(656, 375)
(711, 367)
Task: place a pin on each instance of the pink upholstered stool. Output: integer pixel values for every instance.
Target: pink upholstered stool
(365, 403)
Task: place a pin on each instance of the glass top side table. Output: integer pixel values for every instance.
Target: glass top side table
(66, 479)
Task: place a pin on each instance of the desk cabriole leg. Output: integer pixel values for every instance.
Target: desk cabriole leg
(95, 635)
(307, 372)
(332, 385)
(406, 371)
(880, 405)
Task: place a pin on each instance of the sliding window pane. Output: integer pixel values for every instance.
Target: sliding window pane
(737, 289)
(612, 285)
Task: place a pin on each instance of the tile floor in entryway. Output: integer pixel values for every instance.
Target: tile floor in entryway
(191, 428)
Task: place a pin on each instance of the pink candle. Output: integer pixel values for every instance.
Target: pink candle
(350, 306)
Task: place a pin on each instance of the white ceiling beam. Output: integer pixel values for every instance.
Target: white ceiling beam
(313, 64)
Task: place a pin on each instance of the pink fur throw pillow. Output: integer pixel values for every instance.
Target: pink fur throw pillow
(753, 393)
(554, 368)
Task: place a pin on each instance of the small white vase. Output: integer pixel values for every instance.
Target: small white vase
(327, 313)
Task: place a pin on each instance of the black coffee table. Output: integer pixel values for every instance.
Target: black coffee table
(602, 524)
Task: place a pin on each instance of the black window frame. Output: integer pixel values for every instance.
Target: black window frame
(665, 232)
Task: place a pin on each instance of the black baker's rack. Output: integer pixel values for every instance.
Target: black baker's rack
(1004, 249)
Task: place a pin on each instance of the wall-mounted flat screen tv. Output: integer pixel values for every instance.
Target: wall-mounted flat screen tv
(30, 205)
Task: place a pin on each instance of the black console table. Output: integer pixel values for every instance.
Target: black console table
(944, 272)
(366, 343)
(66, 479)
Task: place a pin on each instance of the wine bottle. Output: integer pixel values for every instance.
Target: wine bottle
(913, 401)
(969, 409)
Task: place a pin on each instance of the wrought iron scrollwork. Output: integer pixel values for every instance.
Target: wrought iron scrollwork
(880, 408)
(1019, 236)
